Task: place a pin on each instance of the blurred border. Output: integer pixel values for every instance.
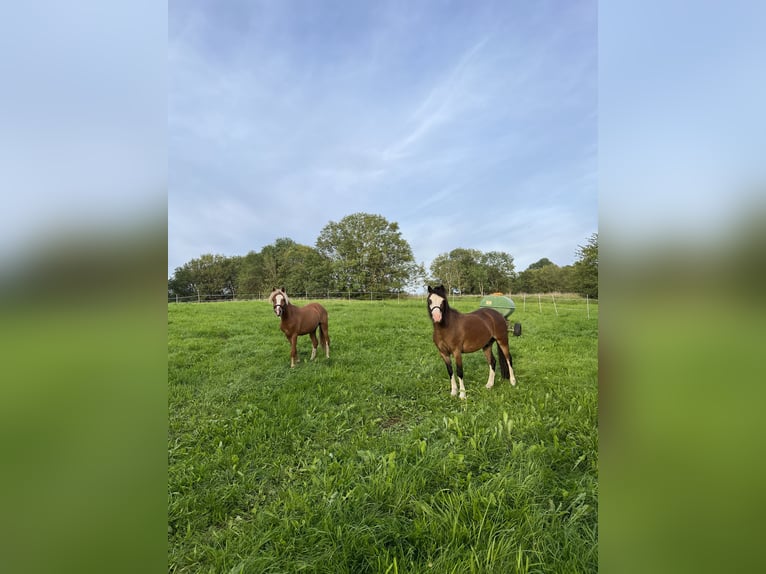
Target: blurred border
(83, 256)
(682, 230)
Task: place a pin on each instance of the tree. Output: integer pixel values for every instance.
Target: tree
(250, 276)
(586, 267)
(366, 253)
(444, 271)
(275, 264)
(305, 270)
(500, 271)
(544, 262)
(182, 283)
(543, 276)
(208, 276)
(471, 271)
(285, 263)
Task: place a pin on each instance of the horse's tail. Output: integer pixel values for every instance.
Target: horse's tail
(504, 370)
(324, 329)
(324, 336)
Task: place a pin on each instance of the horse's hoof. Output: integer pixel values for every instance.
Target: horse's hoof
(513, 382)
(453, 393)
(462, 396)
(489, 386)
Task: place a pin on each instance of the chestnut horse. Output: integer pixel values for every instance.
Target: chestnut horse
(297, 321)
(456, 333)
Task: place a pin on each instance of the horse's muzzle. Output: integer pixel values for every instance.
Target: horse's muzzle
(278, 310)
(436, 314)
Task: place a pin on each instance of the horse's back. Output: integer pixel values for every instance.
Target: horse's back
(493, 320)
(319, 309)
(318, 313)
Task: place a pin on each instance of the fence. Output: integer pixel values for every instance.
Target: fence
(357, 295)
(542, 303)
(561, 303)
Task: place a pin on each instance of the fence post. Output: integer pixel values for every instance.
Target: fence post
(587, 305)
(554, 305)
(539, 304)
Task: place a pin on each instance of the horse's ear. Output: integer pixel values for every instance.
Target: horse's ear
(430, 290)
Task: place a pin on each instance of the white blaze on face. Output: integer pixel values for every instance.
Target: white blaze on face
(279, 302)
(434, 305)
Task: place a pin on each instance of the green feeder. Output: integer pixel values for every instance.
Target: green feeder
(503, 305)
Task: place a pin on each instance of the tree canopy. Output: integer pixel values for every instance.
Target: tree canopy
(586, 267)
(366, 253)
(471, 271)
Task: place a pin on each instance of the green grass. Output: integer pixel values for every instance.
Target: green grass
(365, 462)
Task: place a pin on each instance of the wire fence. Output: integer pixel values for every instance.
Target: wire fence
(542, 303)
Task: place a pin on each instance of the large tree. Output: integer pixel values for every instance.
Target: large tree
(209, 276)
(458, 270)
(500, 271)
(366, 253)
(471, 271)
(586, 267)
(285, 263)
(544, 276)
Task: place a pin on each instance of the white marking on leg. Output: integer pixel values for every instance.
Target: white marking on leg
(453, 385)
(327, 349)
(513, 378)
(462, 388)
(491, 379)
(313, 353)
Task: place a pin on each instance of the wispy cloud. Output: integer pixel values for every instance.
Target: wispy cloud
(440, 105)
(418, 118)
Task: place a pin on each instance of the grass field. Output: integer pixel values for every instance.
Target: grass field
(365, 462)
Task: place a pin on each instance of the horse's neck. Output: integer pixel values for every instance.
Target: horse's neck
(449, 316)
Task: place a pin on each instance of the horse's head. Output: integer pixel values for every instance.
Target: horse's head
(437, 303)
(279, 300)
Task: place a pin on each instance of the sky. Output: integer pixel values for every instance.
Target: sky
(83, 121)
(682, 88)
(469, 124)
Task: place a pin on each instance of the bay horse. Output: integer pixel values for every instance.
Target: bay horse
(456, 333)
(297, 321)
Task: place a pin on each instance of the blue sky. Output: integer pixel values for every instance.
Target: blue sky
(682, 87)
(469, 124)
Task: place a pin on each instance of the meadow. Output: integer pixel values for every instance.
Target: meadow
(365, 462)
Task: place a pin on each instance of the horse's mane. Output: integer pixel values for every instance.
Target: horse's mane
(442, 292)
(276, 292)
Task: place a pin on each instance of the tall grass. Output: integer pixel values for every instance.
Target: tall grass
(365, 462)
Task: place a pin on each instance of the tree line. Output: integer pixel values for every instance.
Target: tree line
(366, 253)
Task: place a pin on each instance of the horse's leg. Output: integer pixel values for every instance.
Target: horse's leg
(459, 371)
(505, 352)
(294, 350)
(491, 362)
(448, 362)
(314, 344)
